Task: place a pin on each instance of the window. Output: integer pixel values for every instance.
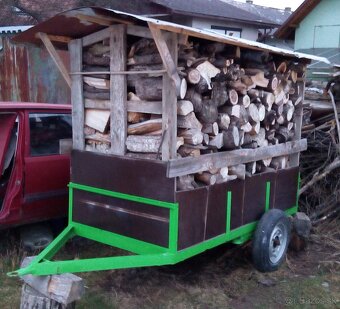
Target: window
(46, 131)
(236, 32)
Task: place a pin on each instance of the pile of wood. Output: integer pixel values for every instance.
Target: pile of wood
(227, 100)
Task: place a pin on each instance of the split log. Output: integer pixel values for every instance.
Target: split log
(238, 170)
(244, 100)
(98, 83)
(184, 107)
(179, 142)
(279, 162)
(191, 136)
(145, 127)
(134, 117)
(234, 110)
(226, 179)
(260, 81)
(206, 178)
(283, 134)
(211, 128)
(188, 122)
(208, 113)
(143, 143)
(231, 138)
(208, 71)
(253, 113)
(53, 291)
(270, 119)
(216, 141)
(153, 58)
(149, 89)
(90, 59)
(219, 94)
(267, 99)
(193, 76)
(288, 110)
(186, 151)
(186, 182)
(233, 97)
(205, 139)
(195, 98)
(251, 168)
(262, 111)
(97, 119)
(255, 129)
(223, 121)
(247, 127)
(238, 86)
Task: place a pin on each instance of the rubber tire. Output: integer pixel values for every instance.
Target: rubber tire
(261, 240)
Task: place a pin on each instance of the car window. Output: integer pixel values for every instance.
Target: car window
(47, 131)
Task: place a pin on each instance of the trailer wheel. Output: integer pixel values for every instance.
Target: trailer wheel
(271, 240)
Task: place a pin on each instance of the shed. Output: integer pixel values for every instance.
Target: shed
(177, 181)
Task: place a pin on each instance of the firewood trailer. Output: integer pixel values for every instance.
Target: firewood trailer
(177, 181)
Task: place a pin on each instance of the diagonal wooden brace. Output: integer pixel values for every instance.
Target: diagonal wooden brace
(55, 56)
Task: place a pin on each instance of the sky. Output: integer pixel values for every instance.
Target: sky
(281, 4)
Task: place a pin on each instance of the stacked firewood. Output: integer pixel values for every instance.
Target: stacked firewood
(228, 100)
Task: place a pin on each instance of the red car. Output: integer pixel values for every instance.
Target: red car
(34, 162)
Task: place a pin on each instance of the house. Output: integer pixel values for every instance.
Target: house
(315, 29)
(234, 18)
(243, 20)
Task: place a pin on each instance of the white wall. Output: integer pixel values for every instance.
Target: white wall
(248, 32)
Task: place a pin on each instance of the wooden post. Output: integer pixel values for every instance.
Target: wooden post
(75, 48)
(169, 106)
(295, 158)
(118, 89)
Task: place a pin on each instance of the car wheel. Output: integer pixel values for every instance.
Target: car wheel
(271, 240)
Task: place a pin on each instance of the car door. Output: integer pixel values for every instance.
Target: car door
(47, 171)
(7, 149)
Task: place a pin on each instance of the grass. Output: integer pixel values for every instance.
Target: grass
(220, 278)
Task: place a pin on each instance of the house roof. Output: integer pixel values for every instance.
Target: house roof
(218, 9)
(286, 31)
(277, 16)
(74, 26)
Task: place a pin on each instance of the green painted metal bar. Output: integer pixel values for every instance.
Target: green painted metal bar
(267, 196)
(173, 230)
(117, 240)
(216, 241)
(49, 251)
(228, 225)
(291, 211)
(124, 196)
(97, 264)
(298, 189)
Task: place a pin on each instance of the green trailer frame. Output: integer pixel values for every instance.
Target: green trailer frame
(145, 254)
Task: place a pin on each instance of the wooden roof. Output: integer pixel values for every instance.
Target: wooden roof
(287, 30)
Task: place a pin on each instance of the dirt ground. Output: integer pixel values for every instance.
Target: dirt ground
(221, 278)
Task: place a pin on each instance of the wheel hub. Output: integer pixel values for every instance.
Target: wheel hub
(277, 244)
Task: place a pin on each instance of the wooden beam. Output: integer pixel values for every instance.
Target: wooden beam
(169, 105)
(154, 72)
(105, 33)
(166, 55)
(150, 107)
(186, 166)
(103, 20)
(75, 48)
(139, 31)
(59, 38)
(55, 56)
(118, 89)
